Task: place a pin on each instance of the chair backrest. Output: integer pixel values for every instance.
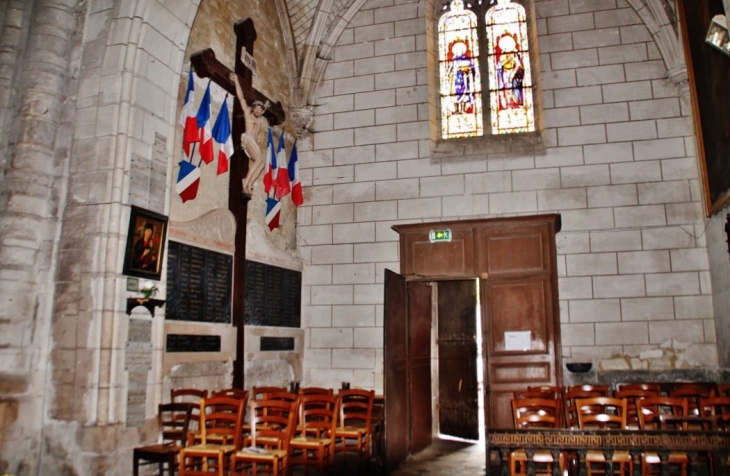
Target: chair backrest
(315, 391)
(693, 392)
(221, 417)
(232, 393)
(569, 398)
(648, 386)
(723, 389)
(173, 420)
(259, 393)
(536, 413)
(650, 408)
(719, 408)
(273, 423)
(606, 413)
(356, 408)
(318, 414)
(631, 395)
(189, 395)
(548, 393)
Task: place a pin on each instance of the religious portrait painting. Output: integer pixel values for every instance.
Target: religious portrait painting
(145, 244)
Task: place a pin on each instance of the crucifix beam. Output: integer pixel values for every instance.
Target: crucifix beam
(207, 66)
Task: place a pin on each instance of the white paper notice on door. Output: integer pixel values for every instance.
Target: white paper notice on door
(517, 340)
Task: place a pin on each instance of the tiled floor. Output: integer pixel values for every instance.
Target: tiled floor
(443, 458)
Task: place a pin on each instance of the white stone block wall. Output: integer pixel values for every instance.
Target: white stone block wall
(619, 166)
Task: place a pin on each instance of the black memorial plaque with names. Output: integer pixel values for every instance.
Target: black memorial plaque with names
(273, 296)
(276, 343)
(198, 284)
(192, 343)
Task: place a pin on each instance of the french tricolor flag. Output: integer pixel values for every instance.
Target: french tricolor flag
(187, 117)
(188, 180)
(296, 185)
(269, 174)
(273, 211)
(281, 176)
(222, 135)
(203, 119)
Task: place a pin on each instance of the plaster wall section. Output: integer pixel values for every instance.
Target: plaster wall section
(619, 165)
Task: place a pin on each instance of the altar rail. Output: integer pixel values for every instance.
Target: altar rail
(697, 444)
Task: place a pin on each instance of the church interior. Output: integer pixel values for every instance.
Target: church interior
(436, 202)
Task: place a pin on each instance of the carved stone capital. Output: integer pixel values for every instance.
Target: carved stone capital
(301, 118)
(678, 77)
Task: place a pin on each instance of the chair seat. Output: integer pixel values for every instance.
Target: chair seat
(597, 456)
(674, 457)
(540, 456)
(157, 449)
(261, 454)
(351, 431)
(310, 441)
(210, 448)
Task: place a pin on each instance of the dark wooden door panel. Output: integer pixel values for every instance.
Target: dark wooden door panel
(395, 370)
(419, 350)
(458, 387)
(454, 258)
(514, 250)
(516, 309)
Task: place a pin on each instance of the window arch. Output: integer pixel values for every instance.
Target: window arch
(504, 71)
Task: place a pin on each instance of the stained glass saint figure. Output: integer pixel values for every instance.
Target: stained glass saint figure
(461, 91)
(510, 77)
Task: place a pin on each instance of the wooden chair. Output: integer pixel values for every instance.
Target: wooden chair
(719, 408)
(173, 420)
(604, 413)
(693, 392)
(569, 397)
(259, 393)
(315, 391)
(648, 386)
(545, 391)
(315, 442)
(631, 395)
(190, 395)
(536, 413)
(650, 410)
(272, 427)
(220, 436)
(354, 427)
(723, 389)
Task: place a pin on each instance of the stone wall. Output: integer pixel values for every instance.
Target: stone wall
(618, 165)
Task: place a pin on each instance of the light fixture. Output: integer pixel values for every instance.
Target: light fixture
(717, 34)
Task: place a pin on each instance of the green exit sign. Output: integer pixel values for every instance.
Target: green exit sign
(439, 235)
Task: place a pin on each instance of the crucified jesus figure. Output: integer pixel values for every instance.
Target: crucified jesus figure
(254, 120)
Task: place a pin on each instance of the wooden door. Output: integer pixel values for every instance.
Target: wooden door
(457, 358)
(419, 365)
(407, 368)
(520, 315)
(395, 371)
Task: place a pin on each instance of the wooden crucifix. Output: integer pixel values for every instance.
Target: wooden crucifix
(207, 66)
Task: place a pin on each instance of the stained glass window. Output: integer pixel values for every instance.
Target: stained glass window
(510, 78)
(461, 85)
(503, 31)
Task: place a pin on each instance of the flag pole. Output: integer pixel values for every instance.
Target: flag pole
(192, 153)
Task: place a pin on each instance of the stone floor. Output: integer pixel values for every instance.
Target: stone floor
(444, 457)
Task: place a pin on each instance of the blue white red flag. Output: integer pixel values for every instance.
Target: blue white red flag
(187, 117)
(296, 185)
(273, 211)
(203, 119)
(282, 177)
(269, 173)
(188, 181)
(222, 135)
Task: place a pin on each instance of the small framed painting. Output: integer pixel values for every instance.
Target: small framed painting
(145, 244)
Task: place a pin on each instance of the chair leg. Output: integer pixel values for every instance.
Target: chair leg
(135, 470)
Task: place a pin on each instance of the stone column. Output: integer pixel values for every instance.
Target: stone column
(31, 199)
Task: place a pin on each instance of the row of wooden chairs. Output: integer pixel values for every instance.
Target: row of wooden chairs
(612, 413)
(283, 430)
(568, 416)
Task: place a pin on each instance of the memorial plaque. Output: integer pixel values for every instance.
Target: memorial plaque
(198, 284)
(276, 343)
(273, 296)
(192, 343)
